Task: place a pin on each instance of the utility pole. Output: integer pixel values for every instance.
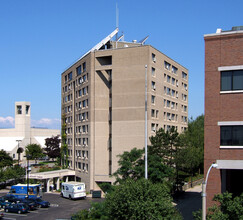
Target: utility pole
(146, 126)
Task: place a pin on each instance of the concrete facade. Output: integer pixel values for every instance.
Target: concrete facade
(103, 105)
(22, 135)
(223, 109)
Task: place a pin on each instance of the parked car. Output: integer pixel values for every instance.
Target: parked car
(40, 203)
(31, 204)
(1, 215)
(10, 198)
(4, 202)
(18, 208)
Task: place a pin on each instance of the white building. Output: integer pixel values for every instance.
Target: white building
(22, 135)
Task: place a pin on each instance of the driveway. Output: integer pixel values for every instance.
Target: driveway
(189, 201)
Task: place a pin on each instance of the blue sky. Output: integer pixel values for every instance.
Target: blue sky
(39, 39)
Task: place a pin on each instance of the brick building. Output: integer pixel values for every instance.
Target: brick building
(224, 111)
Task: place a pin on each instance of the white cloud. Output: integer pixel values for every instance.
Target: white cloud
(6, 122)
(53, 123)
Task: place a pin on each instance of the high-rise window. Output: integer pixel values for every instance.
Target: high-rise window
(78, 70)
(70, 76)
(153, 85)
(174, 70)
(184, 75)
(167, 65)
(153, 99)
(232, 80)
(84, 67)
(153, 71)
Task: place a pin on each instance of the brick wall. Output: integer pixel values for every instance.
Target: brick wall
(220, 50)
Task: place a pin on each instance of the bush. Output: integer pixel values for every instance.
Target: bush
(229, 208)
(45, 169)
(139, 199)
(106, 187)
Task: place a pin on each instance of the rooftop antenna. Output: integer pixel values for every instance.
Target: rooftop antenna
(117, 21)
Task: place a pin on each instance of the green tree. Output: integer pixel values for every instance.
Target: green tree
(227, 208)
(141, 200)
(53, 146)
(64, 147)
(165, 144)
(5, 159)
(136, 200)
(192, 147)
(193, 138)
(132, 166)
(34, 151)
(19, 151)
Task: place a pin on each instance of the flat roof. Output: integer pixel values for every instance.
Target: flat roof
(219, 31)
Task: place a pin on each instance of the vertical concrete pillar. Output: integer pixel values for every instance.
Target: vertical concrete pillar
(58, 183)
(66, 178)
(47, 185)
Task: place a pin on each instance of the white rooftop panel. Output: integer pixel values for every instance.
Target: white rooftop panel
(9, 143)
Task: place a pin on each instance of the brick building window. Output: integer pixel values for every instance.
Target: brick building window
(231, 80)
(231, 135)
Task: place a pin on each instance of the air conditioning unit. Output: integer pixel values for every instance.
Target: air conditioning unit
(154, 59)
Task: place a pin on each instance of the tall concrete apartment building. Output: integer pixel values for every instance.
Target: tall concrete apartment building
(103, 104)
(223, 111)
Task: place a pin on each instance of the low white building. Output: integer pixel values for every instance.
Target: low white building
(22, 135)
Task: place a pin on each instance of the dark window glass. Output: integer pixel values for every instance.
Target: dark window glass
(231, 135)
(237, 133)
(226, 81)
(232, 80)
(78, 70)
(84, 67)
(70, 76)
(238, 80)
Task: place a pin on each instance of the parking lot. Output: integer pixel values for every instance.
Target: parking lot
(60, 208)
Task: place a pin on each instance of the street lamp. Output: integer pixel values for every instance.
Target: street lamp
(146, 127)
(204, 185)
(28, 169)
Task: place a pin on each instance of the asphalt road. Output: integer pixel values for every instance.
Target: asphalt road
(60, 208)
(189, 202)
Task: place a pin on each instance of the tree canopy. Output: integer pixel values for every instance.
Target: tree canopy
(131, 166)
(34, 151)
(53, 146)
(5, 159)
(227, 208)
(139, 199)
(192, 141)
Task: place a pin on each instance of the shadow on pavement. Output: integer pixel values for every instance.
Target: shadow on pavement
(188, 202)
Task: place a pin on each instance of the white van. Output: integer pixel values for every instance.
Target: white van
(73, 190)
